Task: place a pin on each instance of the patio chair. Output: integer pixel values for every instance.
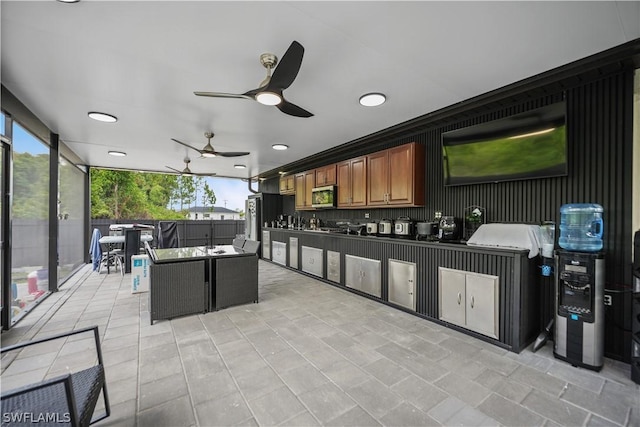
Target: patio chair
(69, 399)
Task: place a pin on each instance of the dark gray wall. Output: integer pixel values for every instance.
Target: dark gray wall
(599, 132)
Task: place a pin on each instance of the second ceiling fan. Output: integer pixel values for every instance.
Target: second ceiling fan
(209, 151)
(270, 89)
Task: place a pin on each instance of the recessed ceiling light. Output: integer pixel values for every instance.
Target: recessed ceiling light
(268, 98)
(239, 166)
(279, 146)
(68, 1)
(117, 153)
(372, 99)
(102, 117)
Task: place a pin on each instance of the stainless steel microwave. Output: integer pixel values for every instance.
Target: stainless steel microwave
(324, 197)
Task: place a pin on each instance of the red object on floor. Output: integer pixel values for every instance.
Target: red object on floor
(32, 282)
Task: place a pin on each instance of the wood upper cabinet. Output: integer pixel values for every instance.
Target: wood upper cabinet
(352, 183)
(304, 183)
(287, 184)
(396, 176)
(326, 175)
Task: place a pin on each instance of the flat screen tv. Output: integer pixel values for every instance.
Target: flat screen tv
(523, 146)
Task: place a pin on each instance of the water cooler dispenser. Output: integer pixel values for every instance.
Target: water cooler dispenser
(579, 307)
(635, 321)
(579, 337)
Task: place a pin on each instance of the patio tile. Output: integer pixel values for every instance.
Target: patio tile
(374, 397)
(355, 417)
(162, 390)
(408, 415)
(557, 410)
(303, 378)
(176, 412)
(509, 413)
(327, 402)
(276, 407)
(419, 392)
(228, 410)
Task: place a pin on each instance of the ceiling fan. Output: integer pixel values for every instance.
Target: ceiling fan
(269, 91)
(186, 171)
(209, 151)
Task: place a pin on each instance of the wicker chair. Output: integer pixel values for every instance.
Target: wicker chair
(64, 400)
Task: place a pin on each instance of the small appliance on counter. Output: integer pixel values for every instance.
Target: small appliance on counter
(403, 228)
(385, 227)
(372, 228)
(358, 229)
(449, 229)
(315, 223)
(427, 231)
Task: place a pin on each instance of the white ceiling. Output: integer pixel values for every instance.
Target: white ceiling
(141, 61)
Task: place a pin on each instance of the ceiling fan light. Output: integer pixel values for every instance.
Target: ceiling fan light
(279, 147)
(102, 117)
(372, 99)
(268, 98)
(208, 154)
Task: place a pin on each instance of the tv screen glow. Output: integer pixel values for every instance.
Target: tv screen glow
(523, 146)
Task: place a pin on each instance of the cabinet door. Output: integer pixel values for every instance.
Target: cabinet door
(283, 185)
(344, 184)
(359, 181)
(482, 304)
(333, 266)
(451, 287)
(378, 178)
(326, 175)
(402, 283)
(293, 252)
(279, 252)
(299, 181)
(309, 183)
(363, 274)
(266, 244)
(312, 260)
(401, 180)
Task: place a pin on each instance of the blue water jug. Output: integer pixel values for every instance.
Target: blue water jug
(581, 227)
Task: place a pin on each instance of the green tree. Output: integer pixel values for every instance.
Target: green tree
(208, 196)
(133, 195)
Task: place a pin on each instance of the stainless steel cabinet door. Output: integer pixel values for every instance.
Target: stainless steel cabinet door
(312, 260)
(451, 288)
(279, 252)
(363, 274)
(482, 304)
(293, 252)
(333, 266)
(266, 244)
(402, 283)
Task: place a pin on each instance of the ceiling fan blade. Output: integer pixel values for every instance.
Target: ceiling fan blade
(186, 145)
(232, 153)
(223, 95)
(287, 70)
(292, 109)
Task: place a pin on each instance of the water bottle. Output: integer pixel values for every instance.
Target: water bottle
(581, 227)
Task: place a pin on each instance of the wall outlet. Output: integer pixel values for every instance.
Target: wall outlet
(366, 215)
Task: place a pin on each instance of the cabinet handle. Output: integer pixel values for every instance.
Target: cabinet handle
(472, 301)
(459, 298)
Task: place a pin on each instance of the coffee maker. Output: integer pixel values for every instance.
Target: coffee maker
(449, 229)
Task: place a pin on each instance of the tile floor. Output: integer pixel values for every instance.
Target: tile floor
(307, 354)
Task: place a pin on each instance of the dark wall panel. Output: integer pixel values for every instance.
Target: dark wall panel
(599, 132)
